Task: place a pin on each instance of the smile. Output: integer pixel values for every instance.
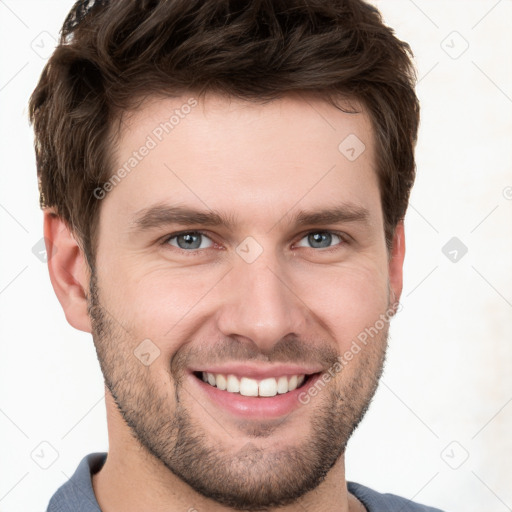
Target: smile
(247, 386)
(253, 391)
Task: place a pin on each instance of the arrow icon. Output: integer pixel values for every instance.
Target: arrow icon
(454, 249)
(454, 45)
(351, 147)
(44, 455)
(249, 249)
(146, 352)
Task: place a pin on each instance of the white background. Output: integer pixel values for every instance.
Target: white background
(446, 393)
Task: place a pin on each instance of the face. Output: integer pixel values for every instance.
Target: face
(245, 245)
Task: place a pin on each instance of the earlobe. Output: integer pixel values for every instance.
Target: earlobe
(396, 263)
(69, 271)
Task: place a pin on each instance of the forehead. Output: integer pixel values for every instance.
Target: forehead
(255, 159)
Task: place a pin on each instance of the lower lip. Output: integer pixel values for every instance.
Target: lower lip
(253, 406)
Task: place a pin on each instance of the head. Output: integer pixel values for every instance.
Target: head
(226, 185)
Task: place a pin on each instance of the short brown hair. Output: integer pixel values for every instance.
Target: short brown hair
(116, 52)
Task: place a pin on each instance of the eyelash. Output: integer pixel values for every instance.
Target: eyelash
(165, 241)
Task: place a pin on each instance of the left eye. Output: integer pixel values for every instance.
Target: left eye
(190, 240)
(320, 239)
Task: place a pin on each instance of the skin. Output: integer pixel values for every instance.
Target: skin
(170, 447)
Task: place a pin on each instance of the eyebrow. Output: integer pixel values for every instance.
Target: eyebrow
(161, 215)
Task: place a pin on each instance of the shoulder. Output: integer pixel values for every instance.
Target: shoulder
(376, 502)
(77, 494)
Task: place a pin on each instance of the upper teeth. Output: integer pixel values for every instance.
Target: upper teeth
(251, 387)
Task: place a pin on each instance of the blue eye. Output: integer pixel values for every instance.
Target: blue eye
(190, 240)
(320, 239)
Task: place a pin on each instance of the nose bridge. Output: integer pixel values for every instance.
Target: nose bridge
(261, 305)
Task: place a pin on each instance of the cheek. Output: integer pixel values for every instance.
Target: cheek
(169, 305)
(156, 302)
(347, 300)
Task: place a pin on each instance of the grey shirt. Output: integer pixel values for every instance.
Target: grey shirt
(77, 494)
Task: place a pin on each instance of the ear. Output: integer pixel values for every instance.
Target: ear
(69, 271)
(396, 262)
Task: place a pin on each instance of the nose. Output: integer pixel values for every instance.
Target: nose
(260, 304)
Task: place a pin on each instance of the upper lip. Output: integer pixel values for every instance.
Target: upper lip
(258, 372)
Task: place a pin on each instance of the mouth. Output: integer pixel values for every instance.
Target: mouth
(251, 394)
(247, 386)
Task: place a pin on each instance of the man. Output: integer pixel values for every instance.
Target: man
(224, 186)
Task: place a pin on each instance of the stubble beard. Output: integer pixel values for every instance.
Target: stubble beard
(251, 479)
